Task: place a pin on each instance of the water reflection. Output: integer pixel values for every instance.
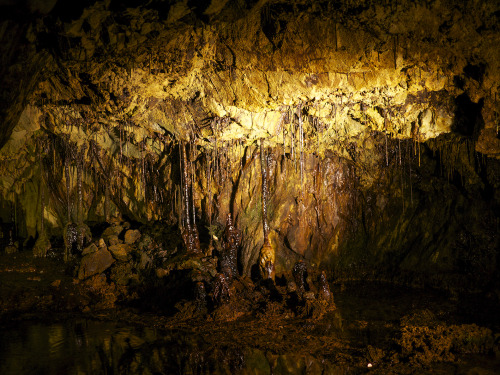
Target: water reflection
(96, 347)
(372, 325)
(70, 347)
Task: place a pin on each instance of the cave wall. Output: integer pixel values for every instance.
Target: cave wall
(396, 103)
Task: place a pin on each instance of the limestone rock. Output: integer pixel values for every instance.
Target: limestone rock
(95, 263)
(114, 240)
(113, 230)
(42, 245)
(145, 262)
(132, 235)
(120, 252)
(11, 249)
(90, 249)
(121, 273)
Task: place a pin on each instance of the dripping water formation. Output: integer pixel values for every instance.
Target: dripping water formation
(249, 187)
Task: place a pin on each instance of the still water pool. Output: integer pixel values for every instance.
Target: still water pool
(380, 330)
(74, 346)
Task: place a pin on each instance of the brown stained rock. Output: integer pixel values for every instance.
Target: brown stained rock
(95, 263)
(145, 262)
(267, 260)
(121, 273)
(42, 245)
(427, 344)
(10, 249)
(113, 230)
(120, 252)
(103, 293)
(324, 293)
(229, 253)
(90, 249)
(161, 272)
(114, 240)
(131, 236)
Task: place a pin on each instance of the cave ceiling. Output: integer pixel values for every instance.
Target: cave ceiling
(383, 105)
(238, 70)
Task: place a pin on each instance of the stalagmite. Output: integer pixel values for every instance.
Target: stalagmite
(324, 293)
(300, 274)
(229, 254)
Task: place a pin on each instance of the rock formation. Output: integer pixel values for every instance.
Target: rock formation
(379, 120)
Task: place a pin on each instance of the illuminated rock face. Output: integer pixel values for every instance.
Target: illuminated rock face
(379, 124)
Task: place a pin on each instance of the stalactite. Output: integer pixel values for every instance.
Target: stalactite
(190, 233)
(301, 138)
(265, 188)
(143, 177)
(267, 253)
(68, 185)
(395, 52)
(399, 149)
(42, 202)
(401, 173)
(16, 232)
(286, 120)
(209, 191)
(121, 137)
(411, 187)
(192, 169)
(386, 145)
(79, 170)
(292, 141)
(419, 149)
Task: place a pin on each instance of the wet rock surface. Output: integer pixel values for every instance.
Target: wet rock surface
(362, 124)
(95, 263)
(235, 167)
(397, 330)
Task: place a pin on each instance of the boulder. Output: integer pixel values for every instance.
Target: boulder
(114, 240)
(11, 249)
(120, 251)
(121, 273)
(42, 245)
(132, 235)
(113, 230)
(95, 263)
(145, 262)
(90, 249)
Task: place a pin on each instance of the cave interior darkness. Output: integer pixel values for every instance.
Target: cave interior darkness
(307, 186)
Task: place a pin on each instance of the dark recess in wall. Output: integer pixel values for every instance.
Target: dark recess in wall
(476, 72)
(70, 10)
(468, 120)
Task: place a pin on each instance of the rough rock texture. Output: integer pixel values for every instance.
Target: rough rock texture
(131, 236)
(120, 251)
(380, 123)
(95, 263)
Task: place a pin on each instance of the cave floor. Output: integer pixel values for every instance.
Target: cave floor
(375, 327)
